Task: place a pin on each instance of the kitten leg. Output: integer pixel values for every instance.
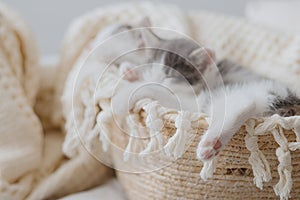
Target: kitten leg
(212, 143)
(231, 108)
(126, 96)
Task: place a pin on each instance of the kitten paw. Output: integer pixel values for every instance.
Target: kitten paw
(207, 149)
(128, 72)
(130, 75)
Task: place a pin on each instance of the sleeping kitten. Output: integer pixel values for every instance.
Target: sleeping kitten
(230, 107)
(115, 43)
(173, 74)
(230, 94)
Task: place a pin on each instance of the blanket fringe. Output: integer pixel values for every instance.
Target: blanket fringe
(208, 169)
(134, 143)
(261, 169)
(260, 165)
(177, 144)
(104, 119)
(155, 124)
(275, 124)
(284, 185)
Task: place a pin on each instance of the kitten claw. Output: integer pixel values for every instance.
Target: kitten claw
(208, 149)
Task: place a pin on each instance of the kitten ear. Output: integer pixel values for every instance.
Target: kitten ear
(145, 22)
(150, 39)
(144, 34)
(202, 57)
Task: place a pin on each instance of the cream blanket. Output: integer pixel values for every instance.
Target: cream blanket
(32, 163)
(21, 140)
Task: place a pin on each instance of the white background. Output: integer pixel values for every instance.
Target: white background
(49, 19)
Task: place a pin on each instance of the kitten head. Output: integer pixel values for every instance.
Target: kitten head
(184, 60)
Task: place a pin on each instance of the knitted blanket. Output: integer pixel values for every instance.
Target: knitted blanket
(32, 164)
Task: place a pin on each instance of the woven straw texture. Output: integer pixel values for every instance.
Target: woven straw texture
(258, 163)
(232, 179)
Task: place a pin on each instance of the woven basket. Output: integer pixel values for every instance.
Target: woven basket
(243, 170)
(232, 178)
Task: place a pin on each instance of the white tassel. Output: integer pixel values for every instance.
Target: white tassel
(176, 145)
(155, 144)
(293, 146)
(70, 145)
(297, 130)
(88, 125)
(260, 165)
(275, 124)
(93, 134)
(103, 121)
(208, 169)
(72, 140)
(268, 125)
(155, 124)
(285, 183)
(128, 150)
(136, 131)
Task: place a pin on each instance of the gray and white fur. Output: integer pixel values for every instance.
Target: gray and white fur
(228, 93)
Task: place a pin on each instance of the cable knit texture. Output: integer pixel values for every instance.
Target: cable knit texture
(20, 131)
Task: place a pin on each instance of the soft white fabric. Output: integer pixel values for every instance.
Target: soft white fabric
(21, 140)
(110, 190)
(57, 175)
(23, 54)
(280, 15)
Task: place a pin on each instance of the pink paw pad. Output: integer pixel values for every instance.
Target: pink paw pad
(130, 76)
(209, 149)
(217, 145)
